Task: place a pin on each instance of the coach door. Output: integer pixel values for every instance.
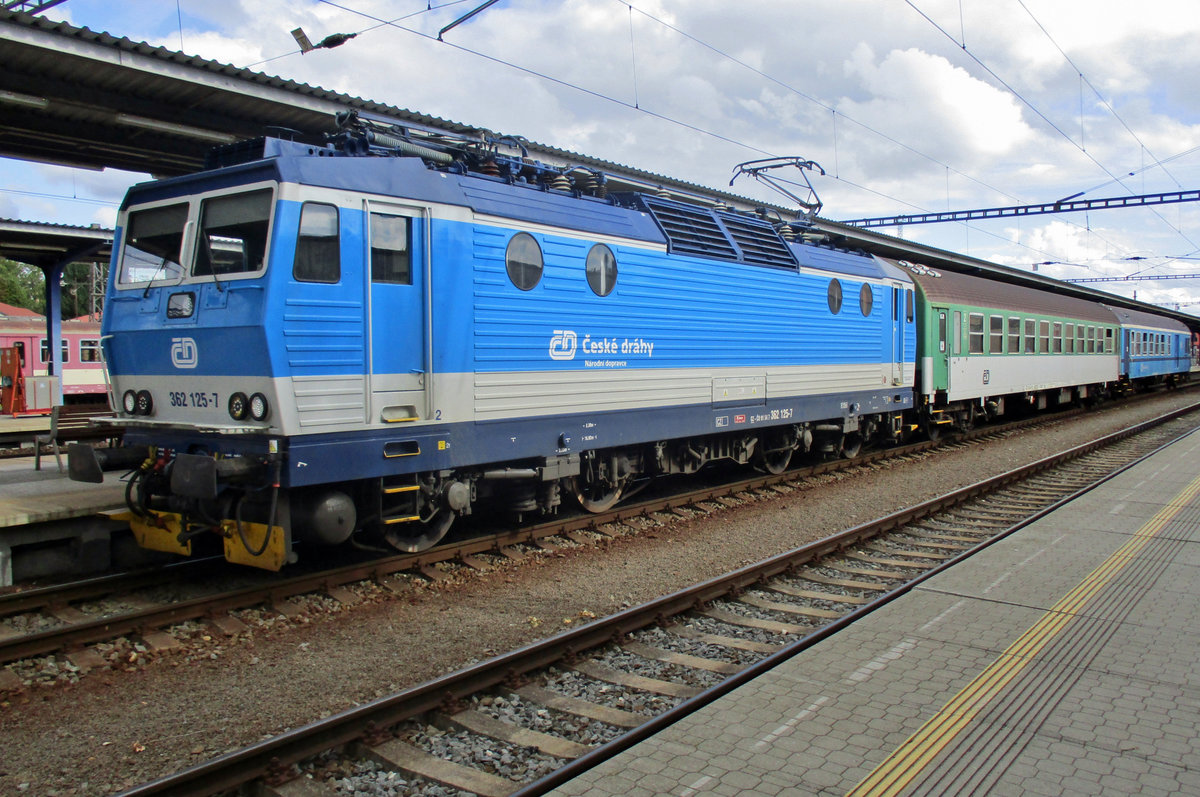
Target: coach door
(398, 272)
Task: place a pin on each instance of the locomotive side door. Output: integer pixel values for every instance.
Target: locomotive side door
(897, 335)
(398, 311)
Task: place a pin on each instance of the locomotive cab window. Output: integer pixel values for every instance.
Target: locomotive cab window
(391, 260)
(523, 260)
(318, 249)
(601, 269)
(232, 237)
(153, 244)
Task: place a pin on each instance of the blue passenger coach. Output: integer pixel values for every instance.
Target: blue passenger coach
(369, 339)
(1154, 349)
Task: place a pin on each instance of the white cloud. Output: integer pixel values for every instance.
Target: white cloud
(919, 123)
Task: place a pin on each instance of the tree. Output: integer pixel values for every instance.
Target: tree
(82, 289)
(22, 285)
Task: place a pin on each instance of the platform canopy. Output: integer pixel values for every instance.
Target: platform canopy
(47, 245)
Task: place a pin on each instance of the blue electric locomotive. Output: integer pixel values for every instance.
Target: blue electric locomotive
(372, 337)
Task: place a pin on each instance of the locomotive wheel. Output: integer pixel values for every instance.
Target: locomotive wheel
(597, 497)
(852, 445)
(774, 460)
(422, 535)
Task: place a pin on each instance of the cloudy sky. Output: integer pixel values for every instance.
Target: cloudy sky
(909, 105)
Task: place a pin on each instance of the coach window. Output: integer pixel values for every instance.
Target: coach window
(601, 270)
(975, 333)
(835, 297)
(996, 344)
(866, 299)
(1043, 337)
(318, 249)
(390, 258)
(66, 351)
(523, 258)
(1108, 340)
(233, 234)
(957, 330)
(1056, 338)
(1069, 338)
(1030, 334)
(1014, 335)
(89, 351)
(910, 309)
(1081, 336)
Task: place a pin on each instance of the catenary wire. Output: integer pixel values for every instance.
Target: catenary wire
(670, 120)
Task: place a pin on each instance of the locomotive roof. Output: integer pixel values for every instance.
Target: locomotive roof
(949, 287)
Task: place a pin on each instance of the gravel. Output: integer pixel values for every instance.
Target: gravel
(534, 716)
(150, 712)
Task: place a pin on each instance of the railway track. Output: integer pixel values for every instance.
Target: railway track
(69, 620)
(526, 721)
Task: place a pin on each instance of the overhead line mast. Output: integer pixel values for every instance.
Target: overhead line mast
(1061, 206)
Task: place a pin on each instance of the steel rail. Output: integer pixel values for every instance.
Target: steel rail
(75, 635)
(271, 758)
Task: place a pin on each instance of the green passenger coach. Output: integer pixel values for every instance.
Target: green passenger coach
(985, 343)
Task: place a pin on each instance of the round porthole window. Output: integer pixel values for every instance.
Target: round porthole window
(523, 259)
(835, 297)
(601, 270)
(866, 299)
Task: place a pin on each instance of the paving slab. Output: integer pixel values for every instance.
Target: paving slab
(1061, 660)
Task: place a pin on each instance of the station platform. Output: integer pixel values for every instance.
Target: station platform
(50, 525)
(21, 430)
(1061, 660)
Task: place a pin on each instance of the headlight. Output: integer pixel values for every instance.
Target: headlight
(129, 402)
(239, 406)
(260, 408)
(144, 403)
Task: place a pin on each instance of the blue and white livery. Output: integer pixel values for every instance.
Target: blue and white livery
(314, 342)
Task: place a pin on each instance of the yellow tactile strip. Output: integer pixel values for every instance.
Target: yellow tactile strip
(909, 760)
